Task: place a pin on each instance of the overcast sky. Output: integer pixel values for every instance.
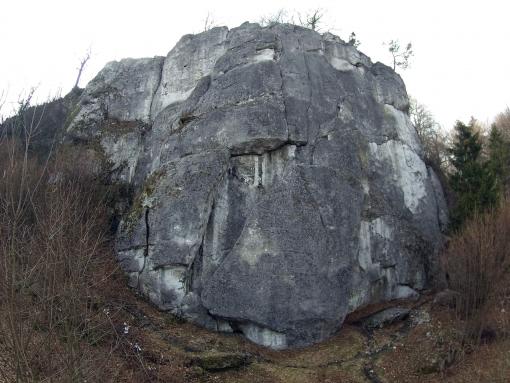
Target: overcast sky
(460, 68)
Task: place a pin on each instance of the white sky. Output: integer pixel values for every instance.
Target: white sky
(460, 68)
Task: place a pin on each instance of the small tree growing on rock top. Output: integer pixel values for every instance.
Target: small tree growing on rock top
(312, 19)
(209, 22)
(353, 40)
(279, 17)
(83, 63)
(400, 55)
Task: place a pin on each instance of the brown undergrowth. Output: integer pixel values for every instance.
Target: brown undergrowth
(477, 266)
(56, 266)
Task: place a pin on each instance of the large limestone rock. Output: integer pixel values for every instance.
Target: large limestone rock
(279, 182)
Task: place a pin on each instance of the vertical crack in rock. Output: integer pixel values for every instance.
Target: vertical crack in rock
(316, 205)
(147, 233)
(279, 53)
(313, 145)
(146, 249)
(194, 265)
(310, 97)
(260, 172)
(193, 268)
(151, 118)
(241, 233)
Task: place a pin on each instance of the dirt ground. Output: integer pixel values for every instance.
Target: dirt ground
(421, 348)
(154, 346)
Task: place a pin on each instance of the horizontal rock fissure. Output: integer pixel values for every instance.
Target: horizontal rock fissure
(169, 266)
(268, 151)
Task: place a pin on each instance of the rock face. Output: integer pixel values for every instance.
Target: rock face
(280, 184)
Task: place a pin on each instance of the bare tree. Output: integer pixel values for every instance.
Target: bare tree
(209, 22)
(83, 62)
(279, 17)
(312, 20)
(434, 141)
(502, 122)
(400, 56)
(3, 98)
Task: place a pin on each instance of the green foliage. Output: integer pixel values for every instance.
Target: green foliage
(353, 40)
(472, 180)
(499, 158)
(400, 56)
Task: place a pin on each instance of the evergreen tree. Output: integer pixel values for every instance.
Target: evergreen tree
(499, 158)
(472, 181)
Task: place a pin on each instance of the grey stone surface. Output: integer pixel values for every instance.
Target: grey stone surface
(280, 183)
(123, 90)
(385, 317)
(192, 58)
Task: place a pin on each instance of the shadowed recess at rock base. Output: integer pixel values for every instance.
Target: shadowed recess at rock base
(279, 182)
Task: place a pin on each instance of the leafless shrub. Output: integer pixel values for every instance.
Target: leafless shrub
(209, 22)
(54, 260)
(279, 17)
(83, 63)
(502, 121)
(434, 141)
(477, 265)
(312, 19)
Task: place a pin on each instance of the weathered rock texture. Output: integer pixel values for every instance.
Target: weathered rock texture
(280, 184)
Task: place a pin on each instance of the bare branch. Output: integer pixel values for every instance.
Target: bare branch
(312, 20)
(209, 22)
(83, 62)
(400, 57)
(280, 17)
